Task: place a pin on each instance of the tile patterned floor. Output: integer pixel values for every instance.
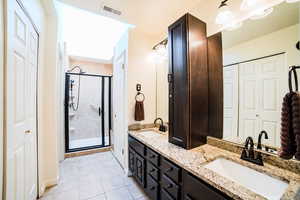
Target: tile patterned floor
(94, 177)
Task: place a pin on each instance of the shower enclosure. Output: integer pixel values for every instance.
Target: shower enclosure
(87, 111)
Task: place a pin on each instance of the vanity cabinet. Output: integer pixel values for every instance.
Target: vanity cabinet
(163, 179)
(196, 189)
(188, 82)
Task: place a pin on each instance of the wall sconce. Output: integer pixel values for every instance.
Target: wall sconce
(225, 15)
(160, 50)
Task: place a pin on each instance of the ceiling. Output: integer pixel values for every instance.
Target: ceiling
(149, 16)
(284, 15)
(153, 17)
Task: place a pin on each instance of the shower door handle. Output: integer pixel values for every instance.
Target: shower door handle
(100, 111)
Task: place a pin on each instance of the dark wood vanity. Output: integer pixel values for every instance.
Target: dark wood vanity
(161, 179)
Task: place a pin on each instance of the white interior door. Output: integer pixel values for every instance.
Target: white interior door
(119, 110)
(273, 81)
(21, 70)
(231, 98)
(263, 86)
(249, 100)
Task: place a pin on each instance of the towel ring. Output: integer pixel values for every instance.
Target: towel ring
(139, 93)
(293, 70)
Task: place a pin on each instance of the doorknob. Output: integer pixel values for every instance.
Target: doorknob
(28, 132)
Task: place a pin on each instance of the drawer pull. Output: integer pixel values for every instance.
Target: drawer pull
(187, 197)
(152, 156)
(170, 169)
(152, 188)
(152, 170)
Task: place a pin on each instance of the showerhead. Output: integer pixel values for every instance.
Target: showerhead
(77, 67)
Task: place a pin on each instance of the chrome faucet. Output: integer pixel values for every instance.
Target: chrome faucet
(248, 153)
(162, 127)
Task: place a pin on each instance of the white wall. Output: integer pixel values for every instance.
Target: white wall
(1, 94)
(91, 67)
(141, 69)
(283, 40)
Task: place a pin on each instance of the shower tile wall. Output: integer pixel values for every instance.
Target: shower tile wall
(85, 123)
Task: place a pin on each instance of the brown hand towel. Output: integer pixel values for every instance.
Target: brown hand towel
(296, 121)
(139, 114)
(288, 143)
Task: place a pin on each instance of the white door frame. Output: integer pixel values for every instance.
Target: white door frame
(1, 94)
(5, 10)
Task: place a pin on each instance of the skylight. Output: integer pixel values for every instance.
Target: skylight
(88, 34)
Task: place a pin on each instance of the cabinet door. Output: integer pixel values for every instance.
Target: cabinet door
(195, 189)
(131, 161)
(140, 170)
(178, 83)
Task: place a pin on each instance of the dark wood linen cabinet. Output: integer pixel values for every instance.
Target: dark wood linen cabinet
(188, 82)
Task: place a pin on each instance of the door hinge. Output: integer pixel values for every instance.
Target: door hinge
(169, 78)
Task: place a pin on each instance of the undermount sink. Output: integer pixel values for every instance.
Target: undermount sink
(262, 184)
(150, 133)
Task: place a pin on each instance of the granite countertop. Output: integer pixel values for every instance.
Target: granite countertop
(194, 159)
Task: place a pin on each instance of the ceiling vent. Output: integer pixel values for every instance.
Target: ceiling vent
(111, 10)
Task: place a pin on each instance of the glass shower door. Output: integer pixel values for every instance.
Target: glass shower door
(87, 112)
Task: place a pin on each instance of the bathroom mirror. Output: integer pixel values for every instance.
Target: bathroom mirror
(256, 58)
(162, 87)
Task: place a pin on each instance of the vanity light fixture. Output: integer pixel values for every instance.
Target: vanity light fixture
(259, 14)
(225, 15)
(292, 1)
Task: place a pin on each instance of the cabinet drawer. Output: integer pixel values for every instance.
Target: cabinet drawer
(131, 160)
(153, 171)
(152, 188)
(196, 189)
(171, 170)
(165, 196)
(172, 188)
(137, 146)
(153, 157)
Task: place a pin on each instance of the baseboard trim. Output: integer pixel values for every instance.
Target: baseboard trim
(87, 152)
(46, 184)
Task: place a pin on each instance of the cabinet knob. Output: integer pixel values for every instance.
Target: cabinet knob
(152, 188)
(152, 170)
(28, 132)
(187, 197)
(170, 169)
(152, 156)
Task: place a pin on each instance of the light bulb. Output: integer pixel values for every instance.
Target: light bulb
(292, 1)
(258, 14)
(233, 26)
(247, 4)
(224, 16)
